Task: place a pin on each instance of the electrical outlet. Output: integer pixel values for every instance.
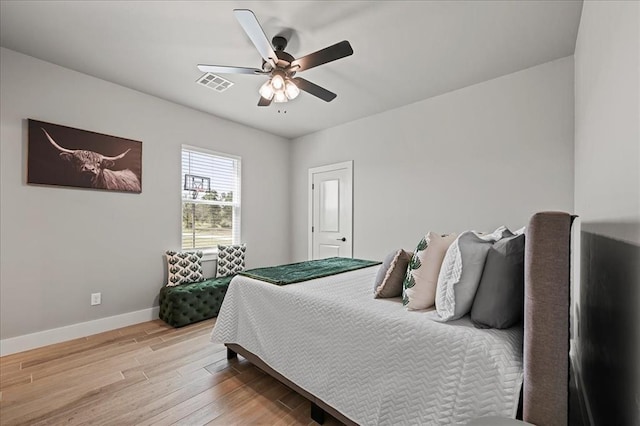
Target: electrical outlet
(96, 298)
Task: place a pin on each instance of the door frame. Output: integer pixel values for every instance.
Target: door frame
(327, 168)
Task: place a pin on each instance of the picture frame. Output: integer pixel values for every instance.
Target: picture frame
(65, 156)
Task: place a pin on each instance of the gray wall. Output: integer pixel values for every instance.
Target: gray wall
(606, 292)
(476, 158)
(60, 244)
(607, 124)
(486, 155)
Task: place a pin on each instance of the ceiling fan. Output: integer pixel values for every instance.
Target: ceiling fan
(280, 66)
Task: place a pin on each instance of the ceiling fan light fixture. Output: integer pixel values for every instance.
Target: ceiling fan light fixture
(291, 90)
(277, 82)
(266, 90)
(279, 88)
(280, 96)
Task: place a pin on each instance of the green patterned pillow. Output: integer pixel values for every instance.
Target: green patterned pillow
(414, 263)
(184, 267)
(420, 284)
(230, 259)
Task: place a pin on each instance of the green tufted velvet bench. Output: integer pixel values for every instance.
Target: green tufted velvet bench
(188, 303)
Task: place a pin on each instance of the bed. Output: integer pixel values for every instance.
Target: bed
(369, 361)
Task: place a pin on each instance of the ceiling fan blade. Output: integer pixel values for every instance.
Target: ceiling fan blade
(264, 101)
(221, 69)
(328, 54)
(314, 89)
(252, 27)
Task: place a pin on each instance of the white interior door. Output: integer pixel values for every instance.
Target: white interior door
(331, 211)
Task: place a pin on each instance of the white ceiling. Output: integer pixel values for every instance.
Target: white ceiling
(404, 51)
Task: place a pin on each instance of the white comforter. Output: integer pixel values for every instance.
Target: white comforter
(371, 359)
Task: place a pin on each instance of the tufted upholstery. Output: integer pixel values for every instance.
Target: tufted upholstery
(188, 303)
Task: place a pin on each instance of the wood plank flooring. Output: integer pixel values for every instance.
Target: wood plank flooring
(145, 374)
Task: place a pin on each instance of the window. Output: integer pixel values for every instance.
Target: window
(210, 199)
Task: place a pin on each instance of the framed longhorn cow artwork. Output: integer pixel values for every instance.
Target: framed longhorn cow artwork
(64, 156)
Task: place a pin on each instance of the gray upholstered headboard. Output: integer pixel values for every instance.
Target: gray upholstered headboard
(546, 319)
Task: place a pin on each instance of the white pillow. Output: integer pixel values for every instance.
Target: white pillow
(520, 231)
(422, 273)
(461, 272)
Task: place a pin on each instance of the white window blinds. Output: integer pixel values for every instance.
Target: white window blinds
(210, 199)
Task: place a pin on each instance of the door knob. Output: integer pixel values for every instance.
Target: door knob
(342, 239)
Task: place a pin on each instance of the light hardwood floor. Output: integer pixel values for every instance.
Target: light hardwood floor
(145, 374)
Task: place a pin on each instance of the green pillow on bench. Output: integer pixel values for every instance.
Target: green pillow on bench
(188, 303)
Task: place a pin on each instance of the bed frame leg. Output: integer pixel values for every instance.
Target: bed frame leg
(231, 354)
(317, 414)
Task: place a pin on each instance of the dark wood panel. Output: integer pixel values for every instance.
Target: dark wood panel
(607, 339)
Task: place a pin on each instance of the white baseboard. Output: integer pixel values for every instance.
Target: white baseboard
(62, 334)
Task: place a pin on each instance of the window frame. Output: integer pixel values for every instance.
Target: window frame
(236, 205)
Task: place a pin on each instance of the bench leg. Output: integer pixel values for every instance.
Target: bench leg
(317, 414)
(231, 354)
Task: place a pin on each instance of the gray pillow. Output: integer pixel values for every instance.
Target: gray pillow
(499, 301)
(461, 272)
(391, 274)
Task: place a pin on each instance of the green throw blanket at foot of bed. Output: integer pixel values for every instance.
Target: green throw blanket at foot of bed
(309, 270)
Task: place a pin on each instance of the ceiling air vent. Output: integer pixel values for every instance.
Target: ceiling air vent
(214, 82)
